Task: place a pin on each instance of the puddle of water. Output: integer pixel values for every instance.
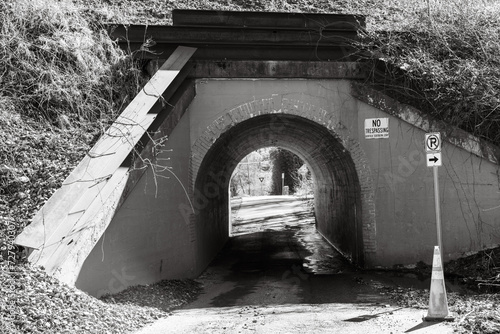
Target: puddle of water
(318, 260)
(322, 258)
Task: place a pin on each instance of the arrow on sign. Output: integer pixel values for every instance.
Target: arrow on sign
(434, 160)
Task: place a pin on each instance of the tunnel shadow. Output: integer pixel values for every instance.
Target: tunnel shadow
(250, 262)
(275, 257)
(278, 267)
(257, 259)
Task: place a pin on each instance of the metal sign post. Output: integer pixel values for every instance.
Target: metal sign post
(433, 149)
(438, 209)
(438, 302)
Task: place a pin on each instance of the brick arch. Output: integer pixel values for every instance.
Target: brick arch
(320, 119)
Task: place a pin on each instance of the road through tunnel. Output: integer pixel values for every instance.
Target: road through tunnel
(337, 190)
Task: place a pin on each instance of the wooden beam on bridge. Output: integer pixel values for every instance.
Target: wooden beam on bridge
(234, 36)
(188, 17)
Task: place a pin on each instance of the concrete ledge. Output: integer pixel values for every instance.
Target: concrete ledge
(278, 69)
(271, 69)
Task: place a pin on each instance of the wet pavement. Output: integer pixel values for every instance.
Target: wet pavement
(276, 256)
(290, 218)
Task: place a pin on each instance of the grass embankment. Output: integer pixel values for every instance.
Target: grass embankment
(62, 81)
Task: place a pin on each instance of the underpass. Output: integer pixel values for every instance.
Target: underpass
(151, 199)
(277, 256)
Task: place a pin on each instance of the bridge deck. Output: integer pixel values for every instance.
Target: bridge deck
(247, 35)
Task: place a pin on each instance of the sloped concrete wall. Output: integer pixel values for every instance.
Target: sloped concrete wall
(149, 238)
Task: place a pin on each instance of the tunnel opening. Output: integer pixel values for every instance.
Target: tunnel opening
(272, 224)
(270, 187)
(271, 171)
(337, 195)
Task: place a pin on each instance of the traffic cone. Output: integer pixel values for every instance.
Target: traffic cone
(438, 303)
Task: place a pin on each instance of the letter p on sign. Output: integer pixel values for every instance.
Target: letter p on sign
(433, 142)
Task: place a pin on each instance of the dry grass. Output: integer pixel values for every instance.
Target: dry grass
(62, 81)
(449, 49)
(56, 62)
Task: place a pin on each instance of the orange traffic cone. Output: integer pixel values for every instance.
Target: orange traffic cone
(438, 303)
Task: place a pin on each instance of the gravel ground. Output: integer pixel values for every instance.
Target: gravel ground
(473, 312)
(33, 302)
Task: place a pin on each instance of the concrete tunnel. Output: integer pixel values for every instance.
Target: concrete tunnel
(337, 190)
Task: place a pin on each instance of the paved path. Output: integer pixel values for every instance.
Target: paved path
(278, 275)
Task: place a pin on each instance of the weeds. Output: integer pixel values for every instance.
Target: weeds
(451, 61)
(55, 62)
(62, 81)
